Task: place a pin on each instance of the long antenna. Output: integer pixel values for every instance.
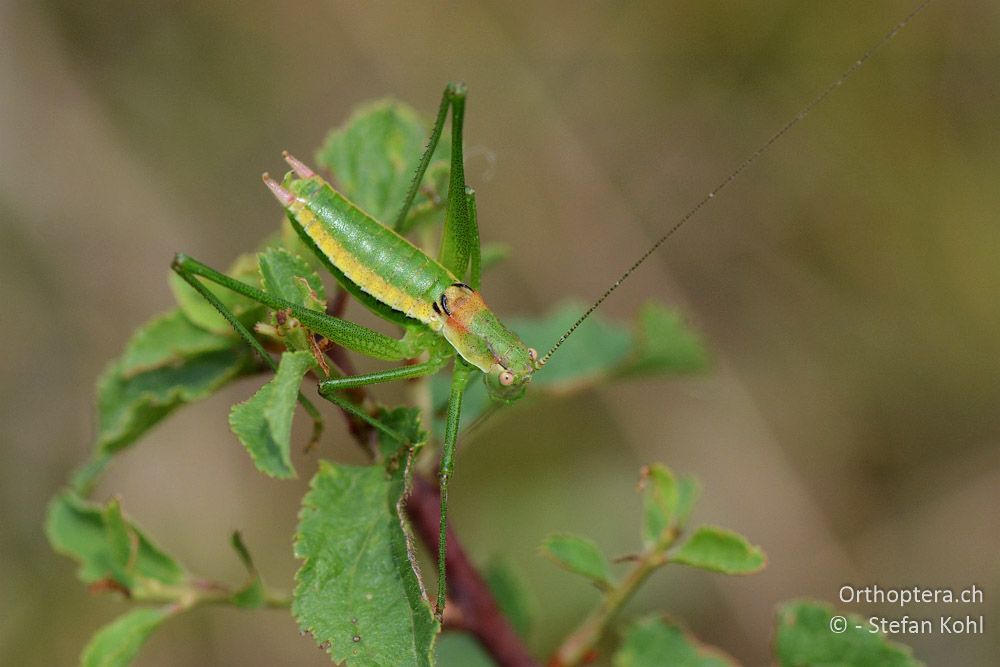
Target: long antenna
(848, 73)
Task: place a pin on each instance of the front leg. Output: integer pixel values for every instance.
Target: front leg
(342, 332)
(329, 389)
(459, 380)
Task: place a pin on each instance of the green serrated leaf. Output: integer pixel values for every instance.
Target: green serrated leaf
(654, 642)
(289, 240)
(406, 422)
(291, 278)
(357, 592)
(202, 314)
(664, 344)
(805, 637)
(263, 423)
(719, 550)
(118, 643)
(374, 156)
(128, 406)
(580, 556)
(168, 340)
(168, 362)
(82, 531)
(512, 593)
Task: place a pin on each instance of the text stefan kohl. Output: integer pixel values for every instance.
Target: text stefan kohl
(945, 625)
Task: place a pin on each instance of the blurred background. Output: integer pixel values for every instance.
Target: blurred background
(847, 286)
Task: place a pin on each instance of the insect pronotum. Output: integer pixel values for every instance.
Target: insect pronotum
(436, 301)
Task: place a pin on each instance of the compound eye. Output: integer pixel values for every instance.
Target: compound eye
(506, 378)
(533, 354)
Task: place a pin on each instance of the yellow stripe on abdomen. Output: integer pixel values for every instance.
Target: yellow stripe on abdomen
(361, 275)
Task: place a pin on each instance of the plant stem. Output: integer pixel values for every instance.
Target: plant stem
(478, 612)
(577, 646)
(199, 592)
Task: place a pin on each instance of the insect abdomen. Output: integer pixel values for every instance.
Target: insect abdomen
(375, 258)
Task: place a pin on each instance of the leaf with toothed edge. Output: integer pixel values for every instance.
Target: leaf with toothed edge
(719, 550)
(263, 422)
(654, 642)
(118, 643)
(289, 277)
(167, 363)
(406, 422)
(202, 314)
(105, 544)
(168, 340)
(804, 637)
(357, 592)
(374, 156)
(580, 556)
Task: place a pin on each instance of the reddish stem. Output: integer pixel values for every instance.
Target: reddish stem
(478, 611)
(472, 607)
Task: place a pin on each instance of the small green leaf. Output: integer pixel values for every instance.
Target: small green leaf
(168, 362)
(105, 544)
(288, 276)
(664, 344)
(591, 354)
(807, 634)
(117, 644)
(667, 501)
(357, 592)
(202, 314)
(123, 543)
(263, 423)
(512, 593)
(719, 550)
(168, 340)
(579, 555)
(374, 156)
(659, 504)
(251, 595)
(653, 642)
(236, 541)
(406, 422)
